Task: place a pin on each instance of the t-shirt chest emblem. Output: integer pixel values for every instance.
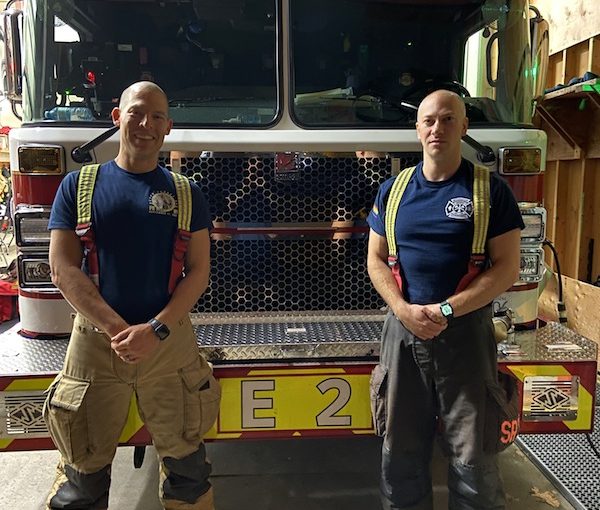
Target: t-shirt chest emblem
(162, 202)
(459, 208)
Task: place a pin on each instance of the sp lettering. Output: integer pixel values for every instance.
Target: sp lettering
(508, 431)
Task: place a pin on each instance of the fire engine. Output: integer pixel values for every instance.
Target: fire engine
(289, 114)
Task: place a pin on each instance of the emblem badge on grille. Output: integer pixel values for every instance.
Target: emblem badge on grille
(551, 398)
(287, 166)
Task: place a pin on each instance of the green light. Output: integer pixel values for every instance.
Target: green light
(591, 88)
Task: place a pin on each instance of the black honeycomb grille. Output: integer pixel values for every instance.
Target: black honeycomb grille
(250, 275)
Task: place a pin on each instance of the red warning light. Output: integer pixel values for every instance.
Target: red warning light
(91, 77)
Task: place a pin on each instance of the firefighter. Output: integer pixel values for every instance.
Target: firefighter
(135, 225)
(438, 352)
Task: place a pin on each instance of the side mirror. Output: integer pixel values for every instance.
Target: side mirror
(491, 60)
(12, 22)
(540, 51)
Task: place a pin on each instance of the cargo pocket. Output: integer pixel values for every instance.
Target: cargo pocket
(377, 391)
(502, 420)
(65, 414)
(201, 400)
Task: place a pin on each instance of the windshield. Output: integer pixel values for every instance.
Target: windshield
(369, 62)
(216, 60)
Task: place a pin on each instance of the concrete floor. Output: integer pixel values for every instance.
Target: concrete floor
(307, 474)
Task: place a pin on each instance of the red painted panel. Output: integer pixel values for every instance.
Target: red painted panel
(35, 189)
(527, 188)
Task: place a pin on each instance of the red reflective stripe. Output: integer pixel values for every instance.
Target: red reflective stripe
(182, 239)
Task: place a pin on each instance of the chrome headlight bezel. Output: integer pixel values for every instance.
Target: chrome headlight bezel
(535, 225)
(532, 258)
(519, 160)
(31, 277)
(38, 159)
(28, 214)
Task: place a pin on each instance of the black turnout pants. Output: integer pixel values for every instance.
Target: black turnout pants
(431, 386)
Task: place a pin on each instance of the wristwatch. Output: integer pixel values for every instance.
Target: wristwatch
(161, 330)
(446, 309)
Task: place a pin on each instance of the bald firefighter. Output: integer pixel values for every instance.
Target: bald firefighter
(136, 227)
(444, 242)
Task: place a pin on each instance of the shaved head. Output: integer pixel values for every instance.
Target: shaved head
(441, 124)
(450, 98)
(143, 120)
(140, 86)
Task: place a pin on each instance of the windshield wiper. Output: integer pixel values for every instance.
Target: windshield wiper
(81, 153)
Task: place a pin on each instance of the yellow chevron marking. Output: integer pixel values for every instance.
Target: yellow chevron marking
(226, 435)
(301, 371)
(40, 384)
(522, 371)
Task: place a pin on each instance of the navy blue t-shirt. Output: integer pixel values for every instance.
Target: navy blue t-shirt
(134, 217)
(434, 229)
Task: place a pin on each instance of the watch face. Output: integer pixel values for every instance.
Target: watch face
(446, 309)
(161, 330)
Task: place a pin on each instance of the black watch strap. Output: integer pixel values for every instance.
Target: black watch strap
(161, 330)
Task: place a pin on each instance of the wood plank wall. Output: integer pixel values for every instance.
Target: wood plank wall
(571, 21)
(572, 178)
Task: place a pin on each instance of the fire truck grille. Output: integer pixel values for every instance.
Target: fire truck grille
(295, 272)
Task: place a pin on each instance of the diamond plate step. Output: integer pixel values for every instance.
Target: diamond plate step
(569, 462)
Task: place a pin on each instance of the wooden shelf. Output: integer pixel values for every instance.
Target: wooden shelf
(582, 89)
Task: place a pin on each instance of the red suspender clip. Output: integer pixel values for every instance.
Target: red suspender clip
(476, 266)
(182, 238)
(86, 235)
(393, 264)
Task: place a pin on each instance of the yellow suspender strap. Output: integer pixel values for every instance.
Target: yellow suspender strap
(391, 208)
(85, 191)
(481, 209)
(184, 201)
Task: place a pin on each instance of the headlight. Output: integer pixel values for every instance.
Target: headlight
(520, 160)
(34, 270)
(41, 159)
(31, 226)
(532, 265)
(535, 225)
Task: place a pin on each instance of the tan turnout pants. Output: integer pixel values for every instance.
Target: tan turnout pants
(87, 406)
